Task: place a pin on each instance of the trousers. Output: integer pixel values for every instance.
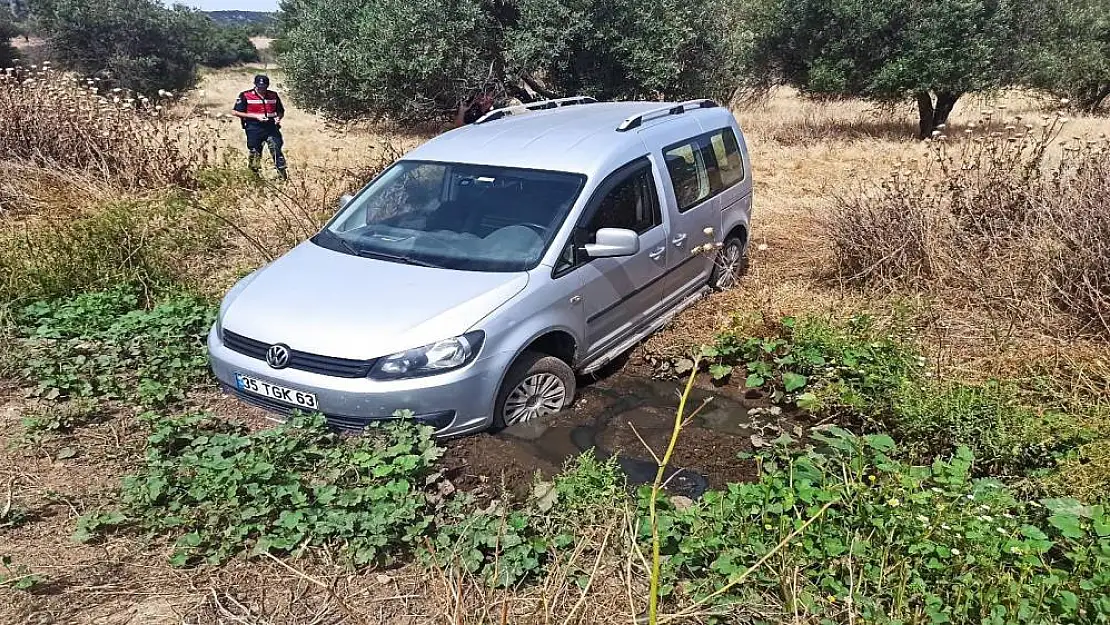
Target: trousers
(269, 134)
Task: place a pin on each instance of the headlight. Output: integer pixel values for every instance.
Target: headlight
(438, 357)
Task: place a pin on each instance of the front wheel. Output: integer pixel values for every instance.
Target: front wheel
(730, 265)
(536, 386)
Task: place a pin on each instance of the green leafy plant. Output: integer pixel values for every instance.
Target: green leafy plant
(887, 541)
(106, 344)
(222, 490)
(853, 373)
(62, 418)
(18, 576)
(506, 545)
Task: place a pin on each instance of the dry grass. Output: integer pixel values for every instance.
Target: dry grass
(805, 156)
(57, 122)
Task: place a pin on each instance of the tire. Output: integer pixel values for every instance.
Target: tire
(730, 265)
(525, 384)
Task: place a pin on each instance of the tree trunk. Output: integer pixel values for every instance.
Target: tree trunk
(931, 115)
(1094, 102)
(925, 113)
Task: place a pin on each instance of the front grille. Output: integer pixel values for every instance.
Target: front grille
(313, 363)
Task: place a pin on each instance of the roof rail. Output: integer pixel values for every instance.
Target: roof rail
(533, 106)
(675, 109)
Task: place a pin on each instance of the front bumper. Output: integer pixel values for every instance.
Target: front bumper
(460, 402)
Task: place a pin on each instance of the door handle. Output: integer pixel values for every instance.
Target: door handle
(657, 254)
(679, 239)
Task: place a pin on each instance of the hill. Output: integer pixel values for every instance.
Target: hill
(242, 18)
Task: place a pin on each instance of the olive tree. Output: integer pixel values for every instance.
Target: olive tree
(138, 44)
(418, 59)
(1071, 54)
(8, 30)
(931, 52)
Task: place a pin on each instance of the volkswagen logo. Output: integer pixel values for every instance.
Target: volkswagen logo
(278, 356)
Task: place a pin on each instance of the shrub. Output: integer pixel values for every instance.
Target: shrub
(505, 545)
(58, 122)
(222, 46)
(990, 218)
(153, 243)
(222, 490)
(856, 375)
(895, 544)
(139, 44)
(418, 60)
(106, 344)
(8, 31)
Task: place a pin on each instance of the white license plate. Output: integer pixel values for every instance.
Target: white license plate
(290, 396)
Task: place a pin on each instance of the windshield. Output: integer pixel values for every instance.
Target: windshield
(455, 216)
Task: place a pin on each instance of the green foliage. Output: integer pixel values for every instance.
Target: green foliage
(886, 51)
(106, 344)
(223, 490)
(856, 375)
(145, 242)
(506, 545)
(903, 544)
(61, 418)
(1071, 56)
(17, 576)
(221, 46)
(419, 60)
(138, 44)
(8, 31)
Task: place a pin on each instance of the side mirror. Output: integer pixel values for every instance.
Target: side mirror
(611, 242)
(345, 199)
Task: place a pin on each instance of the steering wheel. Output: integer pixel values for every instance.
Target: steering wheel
(540, 230)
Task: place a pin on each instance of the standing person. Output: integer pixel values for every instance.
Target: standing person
(261, 111)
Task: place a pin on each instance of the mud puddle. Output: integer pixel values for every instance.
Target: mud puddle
(611, 416)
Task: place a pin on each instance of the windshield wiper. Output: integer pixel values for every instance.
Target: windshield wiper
(398, 259)
(346, 246)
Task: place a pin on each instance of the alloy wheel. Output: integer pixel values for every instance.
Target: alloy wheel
(537, 395)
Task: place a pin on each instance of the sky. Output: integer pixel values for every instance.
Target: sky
(228, 5)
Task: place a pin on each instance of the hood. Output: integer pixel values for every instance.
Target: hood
(333, 304)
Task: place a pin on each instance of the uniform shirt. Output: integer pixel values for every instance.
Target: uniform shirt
(268, 104)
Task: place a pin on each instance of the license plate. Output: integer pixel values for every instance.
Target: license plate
(290, 396)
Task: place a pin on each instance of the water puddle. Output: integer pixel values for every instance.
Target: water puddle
(618, 416)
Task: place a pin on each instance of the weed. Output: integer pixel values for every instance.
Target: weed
(506, 545)
(993, 219)
(18, 576)
(896, 543)
(223, 490)
(105, 344)
(59, 122)
(854, 374)
(60, 418)
(149, 242)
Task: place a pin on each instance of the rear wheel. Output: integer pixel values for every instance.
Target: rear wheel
(536, 386)
(730, 265)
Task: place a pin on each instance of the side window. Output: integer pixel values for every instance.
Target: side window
(688, 165)
(726, 151)
(632, 204)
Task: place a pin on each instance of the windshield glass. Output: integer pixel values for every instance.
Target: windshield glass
(455, 216)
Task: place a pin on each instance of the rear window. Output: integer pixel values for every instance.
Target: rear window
(704, 166)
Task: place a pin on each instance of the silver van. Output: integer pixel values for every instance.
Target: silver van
(470, 281)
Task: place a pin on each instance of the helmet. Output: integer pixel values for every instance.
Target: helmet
(262, 80)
